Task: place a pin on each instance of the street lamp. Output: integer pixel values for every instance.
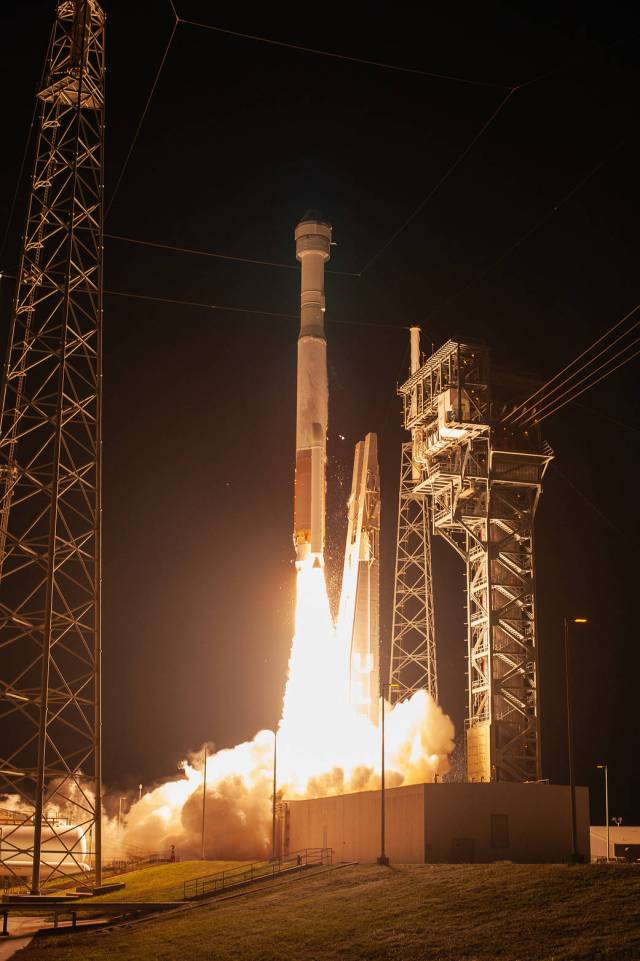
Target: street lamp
(383, 859)
(605, 768)
(273, 803)
(572, 778)
(204, 799)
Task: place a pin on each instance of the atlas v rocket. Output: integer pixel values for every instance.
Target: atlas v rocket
(313, 240)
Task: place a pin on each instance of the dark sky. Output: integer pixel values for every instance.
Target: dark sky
(240, 139)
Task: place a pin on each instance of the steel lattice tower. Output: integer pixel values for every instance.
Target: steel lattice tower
(484, 481)
(50, 477)
(413, 650)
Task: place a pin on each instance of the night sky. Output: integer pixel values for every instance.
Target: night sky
(240, 139)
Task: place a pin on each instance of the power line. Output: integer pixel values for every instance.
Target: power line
(208, 253)
(193, 303)
(588, 500)
(535, 418)
(19, 179)
(606, 416)
(570, 63)
(532, 398)
(341, 56)
(538, 413)
(527, 234)
(144, 114)
(242, 310)
(439, 184)
(25, 154)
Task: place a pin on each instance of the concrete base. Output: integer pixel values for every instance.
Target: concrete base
(445, 823)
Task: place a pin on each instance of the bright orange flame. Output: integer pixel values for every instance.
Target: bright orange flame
(325, 745)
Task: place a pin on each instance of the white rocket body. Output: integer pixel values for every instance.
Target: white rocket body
(313, 238)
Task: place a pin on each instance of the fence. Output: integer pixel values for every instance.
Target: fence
(257, 871)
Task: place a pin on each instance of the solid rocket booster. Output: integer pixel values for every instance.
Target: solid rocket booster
(313, 239)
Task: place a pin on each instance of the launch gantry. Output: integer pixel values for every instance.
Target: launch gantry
(412, 665)
(50, 457)
(413, 639)
(483, 481)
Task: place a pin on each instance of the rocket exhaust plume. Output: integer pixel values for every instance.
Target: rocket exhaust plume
(313, 239)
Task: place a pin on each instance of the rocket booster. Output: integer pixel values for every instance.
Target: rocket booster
(313, 239)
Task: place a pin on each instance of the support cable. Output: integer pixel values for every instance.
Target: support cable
(535, 418)
(527, 234)
(550, 400)
(216, 256)
(513, 415)
(572, 63)
(341, 56)
(144, 114)
(244, 310)
(25, 154)
(594, 507)
(443, 179)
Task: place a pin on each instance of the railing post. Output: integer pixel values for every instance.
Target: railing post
(5, 924)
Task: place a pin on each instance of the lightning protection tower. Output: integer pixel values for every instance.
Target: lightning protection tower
(50, 469)
(413, 642)
(484, 482)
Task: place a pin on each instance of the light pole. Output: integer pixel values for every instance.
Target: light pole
(139, 792)
(383, 859)
(204, 798)
(273, 803)
(572, 777)
(605, 768)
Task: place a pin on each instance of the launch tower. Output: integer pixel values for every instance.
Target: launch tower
(484, 480)
(413, 641)
(50, 463)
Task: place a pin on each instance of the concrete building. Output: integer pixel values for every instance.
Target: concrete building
(431, 823)
(624, 842)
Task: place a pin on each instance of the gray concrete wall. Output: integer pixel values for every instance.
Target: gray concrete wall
(350, 824)
(444, 823)
(458, 822)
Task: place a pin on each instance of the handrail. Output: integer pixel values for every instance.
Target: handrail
(256, 871)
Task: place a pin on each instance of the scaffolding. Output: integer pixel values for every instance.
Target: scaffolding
(413, 641)
(483, 480)
(50, 477)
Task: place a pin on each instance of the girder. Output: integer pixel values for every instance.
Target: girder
(50, 477)
(413, 648)
(484, 482)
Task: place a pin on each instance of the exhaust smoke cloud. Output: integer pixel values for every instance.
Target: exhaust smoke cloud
(324, 747)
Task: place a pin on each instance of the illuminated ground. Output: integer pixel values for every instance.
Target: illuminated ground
(163, 883)
(445, 913)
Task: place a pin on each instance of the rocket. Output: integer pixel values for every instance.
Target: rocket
(313, 240)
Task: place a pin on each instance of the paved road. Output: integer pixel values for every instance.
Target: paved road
(21, 931)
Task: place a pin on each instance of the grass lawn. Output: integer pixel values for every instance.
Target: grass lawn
(164, 882)
(494, 912)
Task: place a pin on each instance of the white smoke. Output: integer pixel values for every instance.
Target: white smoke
(324, 747)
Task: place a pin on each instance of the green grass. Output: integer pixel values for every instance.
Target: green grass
(162, 883)
(494, 912)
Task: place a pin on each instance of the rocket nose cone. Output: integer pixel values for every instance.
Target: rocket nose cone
(315, 217)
